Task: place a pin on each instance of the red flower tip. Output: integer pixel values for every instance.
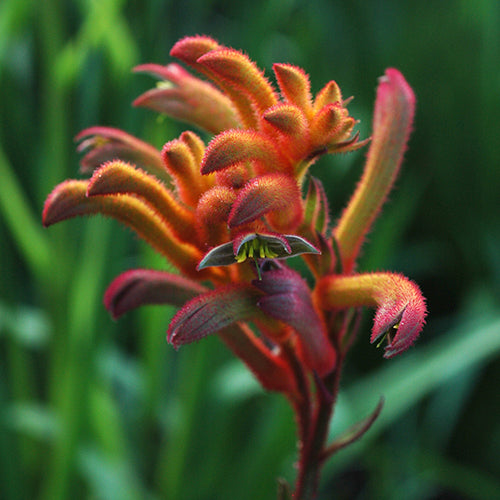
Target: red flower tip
(289, 120)
(294, 85)
(237, 70)
(191, 48)
(400, 322)
(66, 200)
(103, 144)
(401, 308)
(140, 287)
(236, 146)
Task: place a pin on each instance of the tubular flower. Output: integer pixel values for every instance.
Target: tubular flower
(229, 214)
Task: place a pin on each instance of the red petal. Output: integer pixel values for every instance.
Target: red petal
(171, 72)
(288, 119)
(119, 178)
(102, 144)
(239, 71)
(140, 287)
(329, 94)
(212, 212)
(189, 99)
(288, 299)
(276, 193)
(190, 48)
(235, 146)
(392, 121)
(328, 122)
(69, 200)
(294, 85)
(211, 312)
(290, 127)
(182, 158)
(401, 308)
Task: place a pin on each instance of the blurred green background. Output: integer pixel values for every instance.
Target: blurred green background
(94, 409)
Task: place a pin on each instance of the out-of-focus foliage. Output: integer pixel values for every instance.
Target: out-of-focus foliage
(95, 409)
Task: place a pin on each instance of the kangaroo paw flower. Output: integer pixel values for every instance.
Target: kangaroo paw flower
(211, 312)
(188, 99)
(117, 177)
(140, 287)
(103, 144)
(392, 121)
(401, 307)
(288, 299)
(277, 195)
(69, 199)
(248, 195)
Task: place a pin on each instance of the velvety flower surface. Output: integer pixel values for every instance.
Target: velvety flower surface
(229, 214)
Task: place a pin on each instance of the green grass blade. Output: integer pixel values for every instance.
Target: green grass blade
(25, 228)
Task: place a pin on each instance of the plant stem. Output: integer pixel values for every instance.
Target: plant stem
(302, 406)
(312, 451)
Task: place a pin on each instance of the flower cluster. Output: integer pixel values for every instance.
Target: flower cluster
(229, 214)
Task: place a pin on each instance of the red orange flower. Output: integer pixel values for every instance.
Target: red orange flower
(228, 216)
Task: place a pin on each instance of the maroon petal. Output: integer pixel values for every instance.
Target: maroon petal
(288, 299)
(140, 287)
(211, 312)
(103, 144)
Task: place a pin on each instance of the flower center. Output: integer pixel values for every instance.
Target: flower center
(254, 249)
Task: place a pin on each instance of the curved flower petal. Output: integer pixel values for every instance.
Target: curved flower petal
(213, 311)
(392, 121)
(331, 125)
(69, 199)
(117, 177)
(190, 50)
(277, 195)
(329, 94)
(401, 308)
(289, 120)
(288, 299)
(239, 71)
(103, 144)
(182, 158)
(294, 85)
(290, 128)
(189, 99)
(236, 146)
(139, 287)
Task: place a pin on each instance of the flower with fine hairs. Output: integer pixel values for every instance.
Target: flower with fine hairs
(228, 215)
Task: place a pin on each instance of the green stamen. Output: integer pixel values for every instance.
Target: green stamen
(254, 249)
(387, 335)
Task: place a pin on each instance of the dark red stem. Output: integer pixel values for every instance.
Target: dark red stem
(311, 458)
(312, 450)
